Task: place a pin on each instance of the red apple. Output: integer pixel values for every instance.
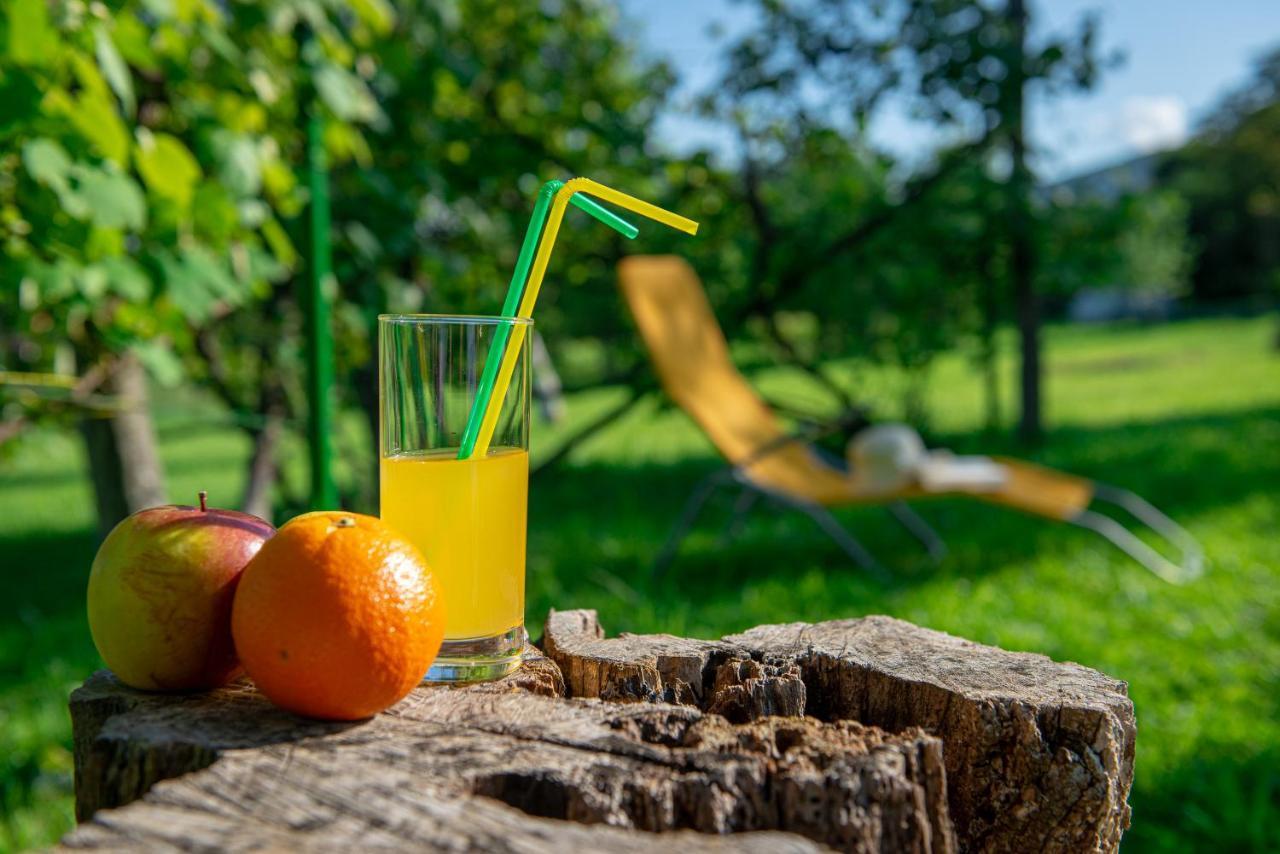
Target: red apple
(160, 595)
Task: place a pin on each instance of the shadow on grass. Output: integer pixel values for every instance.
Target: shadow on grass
(45, 572)
(595, 530)
(1220, 801)
(615, 518)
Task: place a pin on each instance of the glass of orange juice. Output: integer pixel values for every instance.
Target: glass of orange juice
(467, 516)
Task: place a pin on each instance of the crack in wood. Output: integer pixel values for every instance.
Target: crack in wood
(921, 742)
(1012, 723)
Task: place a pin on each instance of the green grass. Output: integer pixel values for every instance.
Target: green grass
(1187, 414)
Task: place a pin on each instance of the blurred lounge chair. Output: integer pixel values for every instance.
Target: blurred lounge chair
(887, 463)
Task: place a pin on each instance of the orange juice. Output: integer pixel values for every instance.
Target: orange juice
(468, 519)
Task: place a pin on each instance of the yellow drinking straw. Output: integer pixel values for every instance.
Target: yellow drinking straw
(558, 206)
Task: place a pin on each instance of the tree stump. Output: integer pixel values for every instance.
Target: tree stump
(1039, 755)
(859, 735)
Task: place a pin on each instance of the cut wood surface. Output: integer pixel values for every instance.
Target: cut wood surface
(492, 768)
(663, 743)
(1039, 754)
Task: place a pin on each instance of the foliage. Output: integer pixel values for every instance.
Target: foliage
(821, 61)
(149, 180)
(1155, 252)
(1144, 407)
(1138, 242)
(441, 120)
(912, 264)
(1230, 176)
(473, 105)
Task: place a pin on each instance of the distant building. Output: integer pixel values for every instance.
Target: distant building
(1107, 302)
(1099, 305)
(1109, 183)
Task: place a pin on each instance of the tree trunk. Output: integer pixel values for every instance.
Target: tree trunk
(263, 468)
(493, 767)
(547, 391)
(1022, 256)
(124, 457)
(989, 355)
(1039, 755)
(859, 735)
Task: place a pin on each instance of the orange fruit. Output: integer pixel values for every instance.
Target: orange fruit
(337, 616)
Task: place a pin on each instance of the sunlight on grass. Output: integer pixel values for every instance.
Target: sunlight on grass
(1187, 414)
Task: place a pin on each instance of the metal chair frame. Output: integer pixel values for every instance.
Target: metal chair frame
(1192, 555)
(825, 520)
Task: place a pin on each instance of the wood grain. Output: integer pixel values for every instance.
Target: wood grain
(860, 735)
(494, 767)
(1039, 754)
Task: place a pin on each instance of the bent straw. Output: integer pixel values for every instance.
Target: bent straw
(516, 288)
(493, 406)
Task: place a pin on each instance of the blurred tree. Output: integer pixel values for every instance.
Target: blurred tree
(1135, 247)
(965, 67)
(146, 191)
(1230, 176)
(1155, 253)
(486, 101)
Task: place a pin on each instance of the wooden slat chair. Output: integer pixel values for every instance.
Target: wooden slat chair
(691, 358)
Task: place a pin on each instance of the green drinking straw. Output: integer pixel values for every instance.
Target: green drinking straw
(516, 290)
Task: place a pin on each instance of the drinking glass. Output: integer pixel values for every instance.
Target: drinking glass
(468, 517)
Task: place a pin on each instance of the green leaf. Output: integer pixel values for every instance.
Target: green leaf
(377, 14)
(212, 272)
(160, 361)
(32, 40)
(263, 266)
(253, 212)
(167, 167)
(46, 162)
(239, 166)
(133, 39)
(54, 282)
(103, 243)
(161, 9)
(279, 243)
(188, 294)
(280, 183)
(88, 75)
(92, 282)
(214, 213)
(345, 94)
(94, 116)
(217, 39)
(127, 279)
(197, 281)
(114, 69)
(114, 200)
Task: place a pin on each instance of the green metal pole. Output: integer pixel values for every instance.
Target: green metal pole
(319, 331)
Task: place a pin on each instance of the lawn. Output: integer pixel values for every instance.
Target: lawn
(1187, 414)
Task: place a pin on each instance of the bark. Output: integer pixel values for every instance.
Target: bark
(1039, 755)
(989, 353)
(861, 735)
(124, 457)
(1022, 260)
(263, 468)
(504, 766)
(547, 390)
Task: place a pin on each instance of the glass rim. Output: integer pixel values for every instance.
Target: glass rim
(456, 319)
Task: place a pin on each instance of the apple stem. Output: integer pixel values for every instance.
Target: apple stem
(204, 498)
